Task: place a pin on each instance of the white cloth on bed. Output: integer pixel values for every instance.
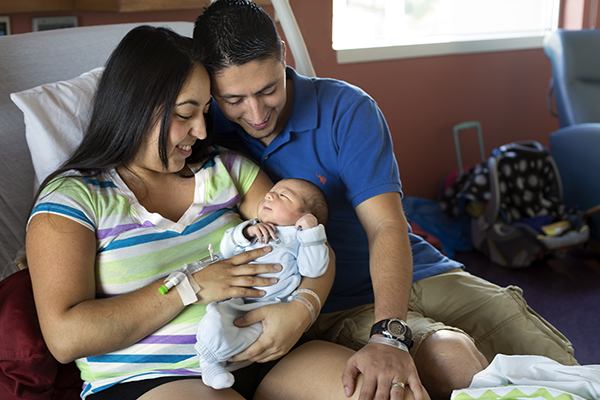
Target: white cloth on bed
(534, 377)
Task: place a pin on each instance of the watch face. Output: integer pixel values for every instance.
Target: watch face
(396, 328)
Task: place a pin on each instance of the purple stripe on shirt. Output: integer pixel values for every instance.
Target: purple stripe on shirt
(230, 203)
(179, 371)
(104, 233)
(169, 339)
(230, 159)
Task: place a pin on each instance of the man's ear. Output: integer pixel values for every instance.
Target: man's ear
(284, 52)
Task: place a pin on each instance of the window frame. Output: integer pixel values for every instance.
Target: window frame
(501, 42)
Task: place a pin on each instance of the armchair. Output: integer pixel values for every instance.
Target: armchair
(575, 147)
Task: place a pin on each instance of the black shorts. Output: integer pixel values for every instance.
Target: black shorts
(246, 382)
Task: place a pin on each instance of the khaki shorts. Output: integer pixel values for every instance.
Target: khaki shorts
(497, 319)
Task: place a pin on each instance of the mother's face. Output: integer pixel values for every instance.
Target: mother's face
(187, 125)
(254, 95)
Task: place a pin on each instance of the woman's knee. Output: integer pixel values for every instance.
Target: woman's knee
(318, 362)
(190, 389)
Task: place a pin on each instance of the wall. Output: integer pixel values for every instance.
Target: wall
(21, 23)
(422, 98)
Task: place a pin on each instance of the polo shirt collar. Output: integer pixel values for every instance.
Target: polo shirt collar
(304, 115)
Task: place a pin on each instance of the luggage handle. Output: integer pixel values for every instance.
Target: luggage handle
(462, 126)
(526, 147)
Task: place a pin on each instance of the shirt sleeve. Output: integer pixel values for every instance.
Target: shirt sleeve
(242, 170)
(313, 254)
(234, 241)
(69, 197)
(368, 166)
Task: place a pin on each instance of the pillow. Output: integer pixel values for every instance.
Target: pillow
(27, 368)
(56, 115)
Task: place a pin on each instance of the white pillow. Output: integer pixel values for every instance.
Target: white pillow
(56, 116)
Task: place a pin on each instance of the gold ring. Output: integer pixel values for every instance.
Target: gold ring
(399, 384)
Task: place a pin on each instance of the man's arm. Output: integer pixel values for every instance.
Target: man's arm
(390, 257)
(391, 269)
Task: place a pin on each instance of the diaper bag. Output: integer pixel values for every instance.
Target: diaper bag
(514, 199)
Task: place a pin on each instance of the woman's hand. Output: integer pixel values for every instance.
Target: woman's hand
(283, 324)
(234, 277)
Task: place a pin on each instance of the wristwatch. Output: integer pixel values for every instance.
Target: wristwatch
(394, 328)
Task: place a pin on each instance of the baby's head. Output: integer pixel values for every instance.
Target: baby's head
(290, 199)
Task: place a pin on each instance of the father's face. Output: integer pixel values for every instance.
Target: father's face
(254, 96)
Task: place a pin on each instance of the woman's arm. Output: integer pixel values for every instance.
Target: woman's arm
(61, 256)
(249, 203)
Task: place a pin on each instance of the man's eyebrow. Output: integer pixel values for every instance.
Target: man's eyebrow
(266, 87)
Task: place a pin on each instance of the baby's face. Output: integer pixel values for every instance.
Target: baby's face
(283, 205)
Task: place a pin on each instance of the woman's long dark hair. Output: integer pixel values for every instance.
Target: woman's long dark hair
(138, 88)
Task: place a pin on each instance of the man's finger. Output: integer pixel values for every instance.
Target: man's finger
(416, 388)
(349, 378)
(397, 390)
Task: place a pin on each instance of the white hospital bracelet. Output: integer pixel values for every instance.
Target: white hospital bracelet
(186, 286)
(309, 306)
(313, 294)
(389, 342)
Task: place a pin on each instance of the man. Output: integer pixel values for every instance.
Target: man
(333, 134)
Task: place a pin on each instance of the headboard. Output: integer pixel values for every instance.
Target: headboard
(28, 60)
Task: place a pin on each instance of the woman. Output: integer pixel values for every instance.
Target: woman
(144, 194)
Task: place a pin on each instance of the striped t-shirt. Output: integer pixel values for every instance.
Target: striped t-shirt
(136, 247)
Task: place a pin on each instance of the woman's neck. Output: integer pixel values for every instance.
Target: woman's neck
(168, 194)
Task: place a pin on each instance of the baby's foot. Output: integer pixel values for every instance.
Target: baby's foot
(215, 376)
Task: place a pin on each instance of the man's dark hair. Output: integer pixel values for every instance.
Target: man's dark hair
(233, 33)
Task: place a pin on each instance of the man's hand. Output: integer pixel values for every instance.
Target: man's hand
(382, 365)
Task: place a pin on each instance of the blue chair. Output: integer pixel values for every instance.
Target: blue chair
(575, 87)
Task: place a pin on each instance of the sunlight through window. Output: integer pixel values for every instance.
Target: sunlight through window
(380, 23)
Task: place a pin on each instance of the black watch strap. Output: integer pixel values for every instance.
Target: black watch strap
(404, 335)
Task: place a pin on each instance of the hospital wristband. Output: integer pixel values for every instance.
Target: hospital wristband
(309, 306)
(389, 342)
(313, 294)
(186, 286)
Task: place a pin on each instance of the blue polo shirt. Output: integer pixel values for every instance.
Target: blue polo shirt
(337, 137)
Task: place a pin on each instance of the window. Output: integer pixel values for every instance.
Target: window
(383, 29)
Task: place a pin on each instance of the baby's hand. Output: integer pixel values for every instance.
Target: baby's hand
(262, 231)
(306, 221)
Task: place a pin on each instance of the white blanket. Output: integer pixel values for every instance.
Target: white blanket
(532, 377)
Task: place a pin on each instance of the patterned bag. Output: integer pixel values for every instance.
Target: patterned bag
(515, 201)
